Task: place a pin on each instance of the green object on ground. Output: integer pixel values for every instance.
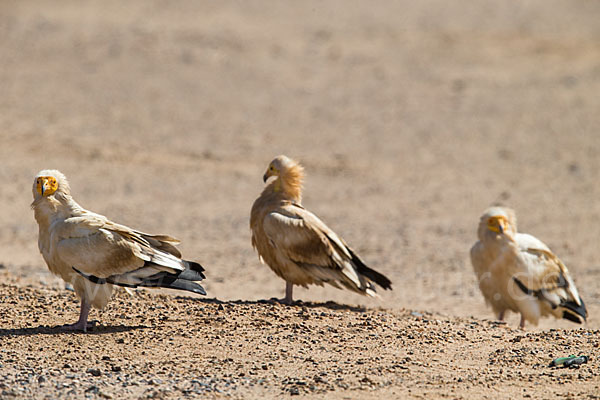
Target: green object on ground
(569, 361)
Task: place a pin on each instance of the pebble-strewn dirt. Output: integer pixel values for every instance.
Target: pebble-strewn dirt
(410, 117)
(157, 346)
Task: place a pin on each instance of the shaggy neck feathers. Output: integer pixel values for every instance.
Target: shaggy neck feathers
(288, 184)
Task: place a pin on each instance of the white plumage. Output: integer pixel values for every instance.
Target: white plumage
(93, 254)
(518, 272)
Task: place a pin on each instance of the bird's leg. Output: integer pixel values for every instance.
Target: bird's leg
(501, 316)
(522, 323)
(81, 324)
(289, 287)
(288, 295)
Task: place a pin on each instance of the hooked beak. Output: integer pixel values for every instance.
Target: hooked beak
(265, 177)
(498, 225)
(43, 187)
(502, 225)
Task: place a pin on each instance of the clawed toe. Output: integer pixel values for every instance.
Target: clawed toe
(274, 300)
(286, 301)
(80, 326)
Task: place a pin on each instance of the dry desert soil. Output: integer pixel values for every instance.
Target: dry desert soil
(410, 118)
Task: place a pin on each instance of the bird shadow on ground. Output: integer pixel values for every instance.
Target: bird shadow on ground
(60, 330)
(331, 305)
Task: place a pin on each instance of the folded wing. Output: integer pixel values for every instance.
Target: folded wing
(298, 235)
(547, 278)
(105, 252)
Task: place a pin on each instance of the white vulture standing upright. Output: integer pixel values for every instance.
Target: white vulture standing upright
(93, 254)
(297, 245)
(518, 272)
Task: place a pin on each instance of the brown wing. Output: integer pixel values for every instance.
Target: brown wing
(300, 236)
(292, 230)
(98, 247)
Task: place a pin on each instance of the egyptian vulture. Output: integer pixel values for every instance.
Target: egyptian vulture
(518, 272)
(297, 245)
(93, 254)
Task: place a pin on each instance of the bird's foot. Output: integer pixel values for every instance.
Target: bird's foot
(285, 300)
(80, 326)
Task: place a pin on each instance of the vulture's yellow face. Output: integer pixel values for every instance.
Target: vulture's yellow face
(46, 185)
(497, 223)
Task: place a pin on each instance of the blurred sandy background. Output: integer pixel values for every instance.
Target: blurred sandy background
(410, 117)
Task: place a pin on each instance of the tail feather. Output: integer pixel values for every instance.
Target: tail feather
(184, 280)
(193, 271)
(373, 275)
(189, 275)
(181, 284)
(574, 312)
(572, 317)
(171, 281)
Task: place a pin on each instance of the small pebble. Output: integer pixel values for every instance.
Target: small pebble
(94, 371)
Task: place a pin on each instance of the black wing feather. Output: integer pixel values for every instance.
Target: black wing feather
(572, 307)
(373, 275)
(184, 280)
(573, 311)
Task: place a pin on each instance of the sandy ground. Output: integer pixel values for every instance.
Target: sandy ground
(410, 117)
